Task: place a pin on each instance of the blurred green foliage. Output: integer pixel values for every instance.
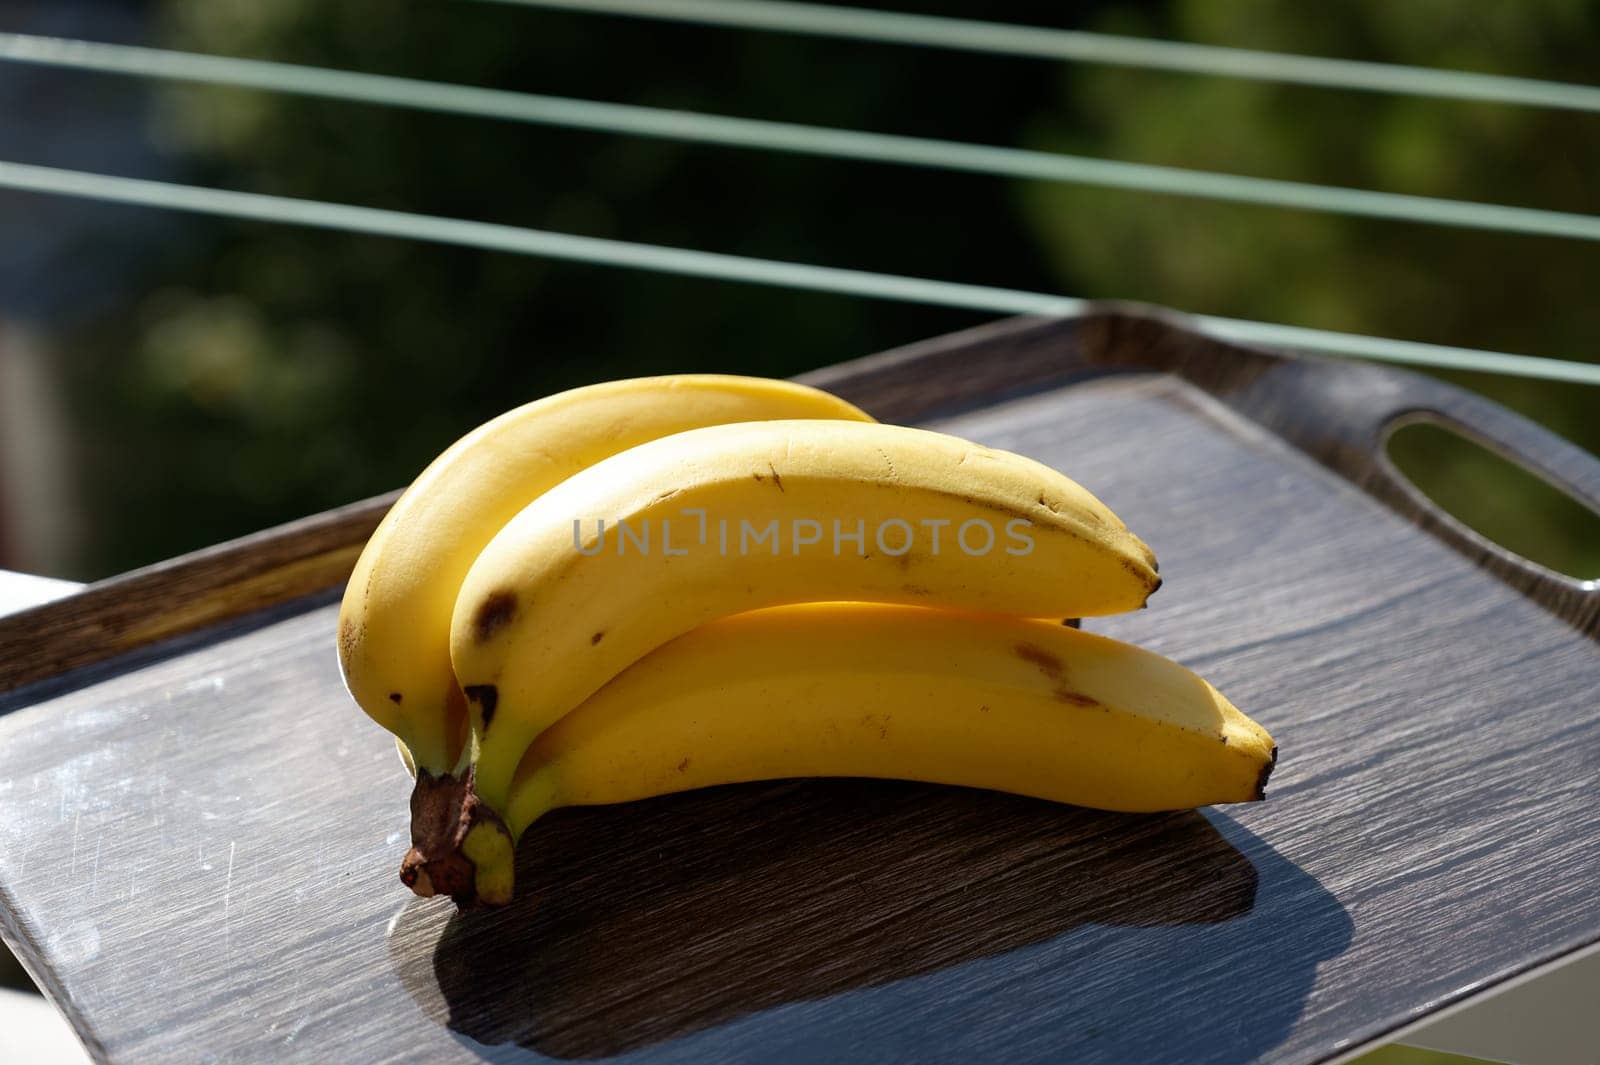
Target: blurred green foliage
(1396, 1054)
(260, 372)
(1505, 292)
(1529, 516)
(267, 372)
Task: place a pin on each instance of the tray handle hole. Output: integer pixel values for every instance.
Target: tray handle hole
(1497, 497)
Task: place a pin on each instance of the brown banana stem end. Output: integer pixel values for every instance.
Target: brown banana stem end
(459, 846)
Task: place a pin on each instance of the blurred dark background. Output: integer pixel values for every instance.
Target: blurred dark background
(168, 381)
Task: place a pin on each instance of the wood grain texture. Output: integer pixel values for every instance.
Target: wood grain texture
(198, 851)
(186, 595)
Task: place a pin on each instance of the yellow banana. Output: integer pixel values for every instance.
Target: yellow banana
(855, 689)
(732, 518)
(394, 624)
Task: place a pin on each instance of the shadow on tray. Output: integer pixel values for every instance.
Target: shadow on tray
(935, 922)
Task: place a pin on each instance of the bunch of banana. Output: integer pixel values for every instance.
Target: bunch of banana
(653, 585)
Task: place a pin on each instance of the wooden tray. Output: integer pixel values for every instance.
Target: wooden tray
(199, 832)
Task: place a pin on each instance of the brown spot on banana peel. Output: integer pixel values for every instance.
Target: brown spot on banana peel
(487, 698)
(444, 812)
(597, 637)
(396, 698)
(350, 634)
(493, 614)
(1048, 663)
(1072, 698)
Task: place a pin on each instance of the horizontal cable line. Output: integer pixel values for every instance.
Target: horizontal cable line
(783, 136)
(1041, 42)
(682, 261)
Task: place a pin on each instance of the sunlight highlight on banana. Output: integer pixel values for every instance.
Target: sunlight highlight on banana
(540, 624)
(648, 586)
(394, 624)
(863, 690)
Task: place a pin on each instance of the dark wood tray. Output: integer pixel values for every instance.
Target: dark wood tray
(199, 832)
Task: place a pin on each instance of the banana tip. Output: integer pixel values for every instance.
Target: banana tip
(1266, 771)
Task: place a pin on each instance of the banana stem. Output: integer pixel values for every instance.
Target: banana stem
(459, 846)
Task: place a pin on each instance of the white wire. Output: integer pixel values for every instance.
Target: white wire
(1040, 42)
(782, 136)
(492, 236)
